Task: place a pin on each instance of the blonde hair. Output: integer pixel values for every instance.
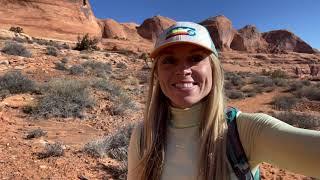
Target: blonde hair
(212, 130)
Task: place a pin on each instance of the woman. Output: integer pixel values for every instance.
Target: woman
(184, 133)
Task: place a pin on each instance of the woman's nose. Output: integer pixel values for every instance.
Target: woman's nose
(183, 69)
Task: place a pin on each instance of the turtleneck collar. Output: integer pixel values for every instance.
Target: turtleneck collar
(185, 118)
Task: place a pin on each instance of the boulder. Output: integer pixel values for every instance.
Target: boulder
(249, 39)
(112, 29)
(6, 34)
(152, 27)
(284, 40)
(221, 31)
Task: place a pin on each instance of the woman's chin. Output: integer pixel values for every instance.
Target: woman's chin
(184, 103)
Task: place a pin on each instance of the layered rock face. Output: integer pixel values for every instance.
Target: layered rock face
(68, 19)
(152, 27)
(60, 19)
(121, 31)
(221, 31)
(283, 40)
(249, 39)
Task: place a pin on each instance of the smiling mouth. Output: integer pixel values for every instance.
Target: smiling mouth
(185, 85)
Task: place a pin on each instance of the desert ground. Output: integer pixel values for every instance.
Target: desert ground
(105, 93)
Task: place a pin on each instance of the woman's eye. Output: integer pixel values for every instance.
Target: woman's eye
(168, 60)
(196, 58)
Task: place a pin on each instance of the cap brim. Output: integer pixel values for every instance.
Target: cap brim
(155, 52)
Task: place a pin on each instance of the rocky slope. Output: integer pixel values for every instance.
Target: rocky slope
(244, 50)
(67, 19)
(59, 19)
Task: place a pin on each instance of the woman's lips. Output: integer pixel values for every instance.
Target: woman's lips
(185, 85)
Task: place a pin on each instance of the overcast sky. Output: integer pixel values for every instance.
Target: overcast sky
(301, 17)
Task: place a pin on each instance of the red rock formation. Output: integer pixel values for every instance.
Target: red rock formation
(283, 40)
(314, 69)
(122, 31)
(249, 39)
(221, 31)
(59, 19)
(112, 29)
(152, 27)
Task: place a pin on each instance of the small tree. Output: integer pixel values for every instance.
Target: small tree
(86, 43)
(16, 29)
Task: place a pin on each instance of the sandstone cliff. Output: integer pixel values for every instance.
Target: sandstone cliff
(60, 19)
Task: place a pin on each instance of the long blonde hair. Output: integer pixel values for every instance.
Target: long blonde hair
(212, 130)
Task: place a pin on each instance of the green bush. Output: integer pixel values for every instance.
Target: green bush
(64, 98)
(15, 82)
(284, 102)
(86, 43)
(16, 49)
(16, 29)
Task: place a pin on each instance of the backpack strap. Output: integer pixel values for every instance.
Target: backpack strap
(235, 152)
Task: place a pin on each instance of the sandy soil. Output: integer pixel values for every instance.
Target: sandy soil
(18, 158)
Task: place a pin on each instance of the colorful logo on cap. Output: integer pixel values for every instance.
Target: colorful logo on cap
(182, 30)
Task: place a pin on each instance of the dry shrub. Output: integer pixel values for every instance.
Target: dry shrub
(121, 101)
(235, 94)
(311, 92)
(301, 120)
(64, 98)
(16, 49)
(99, 69)
(36, 133)
(284, 102)
(52, 51)
(15, 82)
(52, 150)
(116, 147)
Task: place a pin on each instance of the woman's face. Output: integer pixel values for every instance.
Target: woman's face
(185, 74)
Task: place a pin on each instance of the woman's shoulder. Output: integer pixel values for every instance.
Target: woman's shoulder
(258, 120)
(137, 130)
(134, 146)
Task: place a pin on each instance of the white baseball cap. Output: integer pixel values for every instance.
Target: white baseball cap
(182, 33)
